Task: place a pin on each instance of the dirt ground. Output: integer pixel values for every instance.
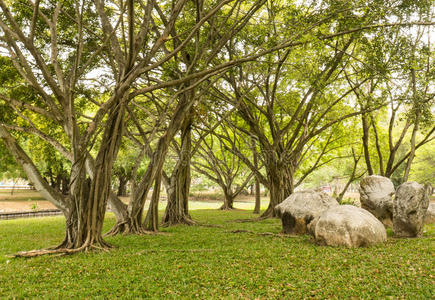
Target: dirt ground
(22, 200)
(12, 206)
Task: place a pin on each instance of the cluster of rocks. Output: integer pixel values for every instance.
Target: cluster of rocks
(406, 210)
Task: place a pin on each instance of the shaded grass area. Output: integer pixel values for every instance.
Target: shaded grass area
(212, 262)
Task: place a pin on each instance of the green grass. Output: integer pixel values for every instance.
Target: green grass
(211, 262)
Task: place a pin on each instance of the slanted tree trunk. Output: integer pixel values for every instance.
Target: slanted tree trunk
(414, 131)
(365, 138)
(412, 151)
(352, 177)
(122, 189)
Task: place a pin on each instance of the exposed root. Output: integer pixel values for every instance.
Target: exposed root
(182, 221)
(125, 228)
(249, 220)
(226, 208)
(174, 250)
(119, 227)
(64, 249)
(150, 232)
(280, 235)
(209, 225)
(34, 253)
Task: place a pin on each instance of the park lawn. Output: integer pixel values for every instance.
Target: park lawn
(212, 262)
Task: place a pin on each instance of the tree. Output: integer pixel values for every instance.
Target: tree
(55, 52)
(402, 82)
(190, 86)
(220, 165)
(292, 97)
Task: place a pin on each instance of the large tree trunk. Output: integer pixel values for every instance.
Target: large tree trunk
(84, 219)
(281, 186)
(229, 199)
(133, 223)
(89, 196)
(177, 209)
(85, 207)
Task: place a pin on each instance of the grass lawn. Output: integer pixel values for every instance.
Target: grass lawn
(211, 262)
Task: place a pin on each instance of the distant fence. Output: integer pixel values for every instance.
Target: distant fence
(17, 187)
(30, 214)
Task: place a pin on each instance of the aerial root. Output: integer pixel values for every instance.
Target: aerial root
(183, 221)
(209, 225)
(62, 250)
(250, 220)
(227, 208)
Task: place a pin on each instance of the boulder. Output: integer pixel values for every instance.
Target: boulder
(429, 218)
(347, 225)
(297, 211)
(376, 194)
(410, 206)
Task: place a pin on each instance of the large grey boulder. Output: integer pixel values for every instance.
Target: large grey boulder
(410, 206)
(349, 226)
(297, 211)
(376, 194)
(429, 218)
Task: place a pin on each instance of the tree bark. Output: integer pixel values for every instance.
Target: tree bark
(132, 224)
(366, 129)
(257, 181)
(415, 129)
(229, 199)
(280, 187)
(352, 177)
(257, 196)
(152, 219)
(412, 151)
(177, 209)
(122, 189)
(89, 196)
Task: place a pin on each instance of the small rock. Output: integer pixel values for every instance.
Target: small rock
(410, 206)
(347, 225)
(429, 218)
